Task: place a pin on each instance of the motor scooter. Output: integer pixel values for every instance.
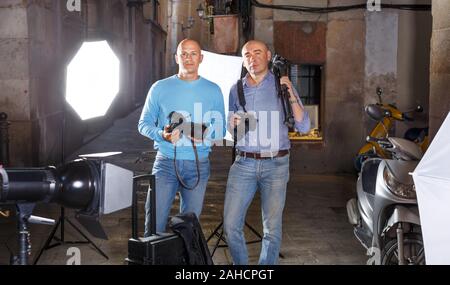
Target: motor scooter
(385, 214)
(389, 113)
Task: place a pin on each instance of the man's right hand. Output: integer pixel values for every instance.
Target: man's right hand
(235, 120)
(172, 137)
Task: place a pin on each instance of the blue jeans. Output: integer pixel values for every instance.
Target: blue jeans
(167, 186)
(245, 177)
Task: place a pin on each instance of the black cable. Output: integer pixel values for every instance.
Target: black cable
(197, 166)
(305, 9)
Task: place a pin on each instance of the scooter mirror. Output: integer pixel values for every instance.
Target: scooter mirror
(375, 112)
(379, 91)
(379, 94)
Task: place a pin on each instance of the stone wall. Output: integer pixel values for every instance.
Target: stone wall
(37, 41)
(14, 77)
(363, 50)
(440, 65)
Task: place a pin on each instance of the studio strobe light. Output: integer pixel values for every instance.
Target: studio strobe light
(91, 187)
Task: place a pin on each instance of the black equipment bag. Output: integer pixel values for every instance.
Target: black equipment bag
(185, 247)
(188, 227)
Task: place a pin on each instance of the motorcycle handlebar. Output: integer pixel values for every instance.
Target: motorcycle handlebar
(378, 112)
(407, 118)
(384, 143)
(418, 109)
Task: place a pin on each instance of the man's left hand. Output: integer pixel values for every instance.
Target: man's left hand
(285, 80)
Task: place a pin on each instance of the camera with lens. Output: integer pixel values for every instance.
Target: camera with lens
(179, 122)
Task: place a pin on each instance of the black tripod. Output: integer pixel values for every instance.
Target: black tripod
(218, 231)
(280, 68)
(61, 240)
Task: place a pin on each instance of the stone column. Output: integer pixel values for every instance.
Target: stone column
(15, 78)
(440, 65)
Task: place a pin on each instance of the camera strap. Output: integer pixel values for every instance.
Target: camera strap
(196, 162)
(282, 94)
(241, 95)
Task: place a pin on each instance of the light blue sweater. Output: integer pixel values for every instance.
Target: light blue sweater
(200, 101)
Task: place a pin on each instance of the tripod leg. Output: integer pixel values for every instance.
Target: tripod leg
(217, 243)
(221, 237)
(89, 240)
(47, 243)
(216, 230)
(254, 231)
(259, 236)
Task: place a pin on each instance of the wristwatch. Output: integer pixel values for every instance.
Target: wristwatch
(293, 101)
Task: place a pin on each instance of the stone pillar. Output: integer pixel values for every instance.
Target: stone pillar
(440, 65)
(15, 78)
(413, 65)
(178, 28)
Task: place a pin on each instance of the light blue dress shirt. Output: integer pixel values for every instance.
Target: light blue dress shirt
(271, 134)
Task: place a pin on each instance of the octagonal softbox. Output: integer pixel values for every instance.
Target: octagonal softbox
(92, 80)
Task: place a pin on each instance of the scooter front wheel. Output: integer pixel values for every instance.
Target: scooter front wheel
(414, 253)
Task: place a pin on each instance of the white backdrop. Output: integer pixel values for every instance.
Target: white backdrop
(224, 70)
(432, 180)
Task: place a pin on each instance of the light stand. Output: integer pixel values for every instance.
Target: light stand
(23, 218)
(61, 240)
(62, 217)
(23, 213)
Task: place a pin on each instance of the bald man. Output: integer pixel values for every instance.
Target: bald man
(262, 158)
(182, 162)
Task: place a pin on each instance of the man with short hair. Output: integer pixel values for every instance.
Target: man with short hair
(262, 158)
(182, 163)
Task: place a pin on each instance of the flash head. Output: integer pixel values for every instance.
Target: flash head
(92, 187)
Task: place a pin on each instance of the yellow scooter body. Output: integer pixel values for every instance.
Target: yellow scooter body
(380, 131)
